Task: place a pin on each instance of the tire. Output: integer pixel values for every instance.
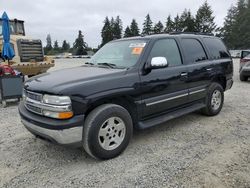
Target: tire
(107, 131)
(214, 100)
(243, 78)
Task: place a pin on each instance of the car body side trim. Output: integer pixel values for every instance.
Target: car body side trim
(168, 99)
(175, 97)
(198, 91)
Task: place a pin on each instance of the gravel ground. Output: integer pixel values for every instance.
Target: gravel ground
(191, 151)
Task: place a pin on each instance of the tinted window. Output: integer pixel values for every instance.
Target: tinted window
(167, 48)
(244, 54)
(193, 50)
(217, 48)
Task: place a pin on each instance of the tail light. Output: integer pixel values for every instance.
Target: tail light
(243, 61)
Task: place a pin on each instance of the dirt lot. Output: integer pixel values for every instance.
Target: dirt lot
(191, 151)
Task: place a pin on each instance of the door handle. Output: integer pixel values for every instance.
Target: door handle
(184, 74)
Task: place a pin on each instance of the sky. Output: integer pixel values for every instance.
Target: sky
(63, 18)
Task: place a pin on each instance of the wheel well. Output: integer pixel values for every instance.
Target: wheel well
(222, 81)
(124, 101)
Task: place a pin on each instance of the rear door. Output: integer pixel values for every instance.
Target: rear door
(164, 89)
(199, 68)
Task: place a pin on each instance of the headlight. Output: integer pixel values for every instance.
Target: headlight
(56, 100)
(59, 107)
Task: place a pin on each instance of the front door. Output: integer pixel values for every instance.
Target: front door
(164, 89)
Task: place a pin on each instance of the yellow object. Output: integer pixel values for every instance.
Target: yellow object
(65, 115)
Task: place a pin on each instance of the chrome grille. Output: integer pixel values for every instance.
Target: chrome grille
(30, 101)
(34, 96)
(34, 109)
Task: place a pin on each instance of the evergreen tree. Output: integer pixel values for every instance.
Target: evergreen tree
(147, 26)
(227, 30)
(177, 24)
(80, 46)
(107, 34)
(117, 28)
(235, 31)
(158, 28)
(127, 32)
(65, 46)
(170, 25)
(56, 46)
(242, 25)
(187, 21)
(48, 46)
(205, 19)
(134, 29)
(49, 43)
(112, 25)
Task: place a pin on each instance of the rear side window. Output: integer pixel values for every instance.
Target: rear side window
(194, 51)
(244, 54)
(167, 48)
(217, 48)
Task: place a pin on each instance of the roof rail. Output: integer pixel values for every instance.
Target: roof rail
(190, 33)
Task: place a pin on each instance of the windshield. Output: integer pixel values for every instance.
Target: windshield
(121, 54)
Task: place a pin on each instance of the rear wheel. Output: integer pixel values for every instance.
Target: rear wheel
(107, 131)
(214, 100)
(243, 78)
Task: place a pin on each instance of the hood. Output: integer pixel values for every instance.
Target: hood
(57, 81)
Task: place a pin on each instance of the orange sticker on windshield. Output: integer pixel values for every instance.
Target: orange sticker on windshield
(137, 51)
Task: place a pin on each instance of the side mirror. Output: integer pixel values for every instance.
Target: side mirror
(158, 63)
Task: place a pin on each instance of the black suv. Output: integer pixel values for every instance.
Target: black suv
(129, 83)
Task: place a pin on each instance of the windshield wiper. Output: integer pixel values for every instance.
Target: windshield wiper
(111, 65)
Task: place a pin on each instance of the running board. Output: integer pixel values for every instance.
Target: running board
(163, 118)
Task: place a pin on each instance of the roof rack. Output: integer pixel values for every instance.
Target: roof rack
(190, 33)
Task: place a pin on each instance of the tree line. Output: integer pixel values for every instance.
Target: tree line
(80, 47)
(203, 22)
(234, 32)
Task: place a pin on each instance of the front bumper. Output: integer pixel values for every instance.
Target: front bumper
(63, 132)
(63, 137)
(245, 71)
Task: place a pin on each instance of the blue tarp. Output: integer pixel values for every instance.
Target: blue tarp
(7, 51)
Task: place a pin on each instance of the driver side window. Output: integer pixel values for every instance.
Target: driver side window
(167, 48)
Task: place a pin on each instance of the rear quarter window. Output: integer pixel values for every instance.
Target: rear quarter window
(216, 48)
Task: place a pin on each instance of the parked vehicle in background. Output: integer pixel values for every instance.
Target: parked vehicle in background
(245, 65)
(235, 53)
(29, 58)
(129, 83)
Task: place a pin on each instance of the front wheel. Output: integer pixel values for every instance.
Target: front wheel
(107, 131)
(214, 100)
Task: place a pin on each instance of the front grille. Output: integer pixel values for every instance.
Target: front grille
(30, 50)
(34, 109)
(33, 96)
(30, 101)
